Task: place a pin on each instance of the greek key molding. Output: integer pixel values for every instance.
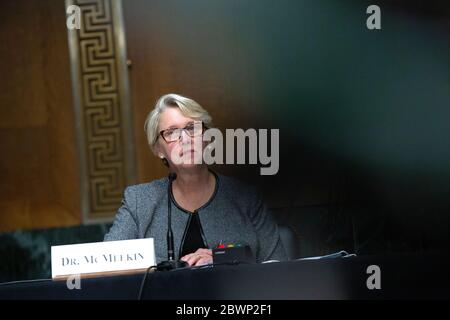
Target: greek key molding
(102, 108)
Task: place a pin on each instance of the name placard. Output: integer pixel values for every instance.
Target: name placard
(102, 258)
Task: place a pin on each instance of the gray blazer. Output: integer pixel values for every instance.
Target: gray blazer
(236, 213)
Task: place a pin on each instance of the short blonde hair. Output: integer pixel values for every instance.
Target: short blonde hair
(188, 107)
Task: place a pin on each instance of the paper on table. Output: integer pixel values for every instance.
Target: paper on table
(340, 254)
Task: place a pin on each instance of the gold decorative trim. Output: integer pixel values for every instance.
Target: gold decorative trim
(102, 107)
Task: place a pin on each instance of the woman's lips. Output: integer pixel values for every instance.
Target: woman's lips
(191, 151)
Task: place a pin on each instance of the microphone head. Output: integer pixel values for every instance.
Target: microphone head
(172, 176)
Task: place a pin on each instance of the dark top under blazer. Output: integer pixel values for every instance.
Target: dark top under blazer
(236, 213)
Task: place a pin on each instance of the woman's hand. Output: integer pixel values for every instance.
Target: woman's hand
(199, 257)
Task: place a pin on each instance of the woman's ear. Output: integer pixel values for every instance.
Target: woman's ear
(156, 150)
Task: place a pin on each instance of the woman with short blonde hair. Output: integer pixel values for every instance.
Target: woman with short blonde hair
(208, 209)
(187, 106)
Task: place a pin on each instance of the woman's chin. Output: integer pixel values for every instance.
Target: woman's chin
(188, 165)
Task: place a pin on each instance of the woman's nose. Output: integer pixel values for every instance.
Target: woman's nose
(184, 137)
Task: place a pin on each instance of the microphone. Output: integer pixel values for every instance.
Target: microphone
(170, 264)
(170, 244)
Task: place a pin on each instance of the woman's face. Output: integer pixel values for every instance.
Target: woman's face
(186, 152)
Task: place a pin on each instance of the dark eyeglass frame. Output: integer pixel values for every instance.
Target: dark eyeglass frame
(185, 129)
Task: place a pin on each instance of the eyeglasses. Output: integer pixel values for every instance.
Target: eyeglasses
(174, 134)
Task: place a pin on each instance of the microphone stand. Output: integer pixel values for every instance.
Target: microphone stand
(171, 263)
